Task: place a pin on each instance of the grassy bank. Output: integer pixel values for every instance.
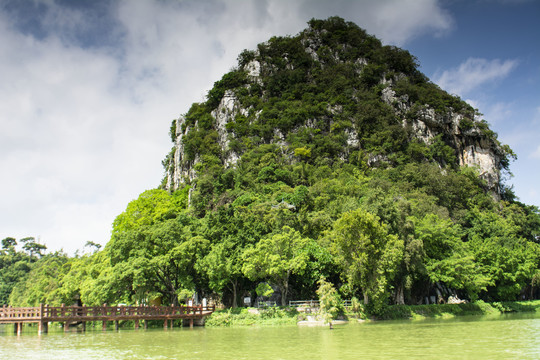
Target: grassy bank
(289, 316)
(452, 310)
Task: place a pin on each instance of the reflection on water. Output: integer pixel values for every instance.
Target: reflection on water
(500, 337)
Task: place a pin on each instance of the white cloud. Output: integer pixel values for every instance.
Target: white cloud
(473, 73)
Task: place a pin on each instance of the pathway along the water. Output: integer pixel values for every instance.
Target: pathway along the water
(45, 314)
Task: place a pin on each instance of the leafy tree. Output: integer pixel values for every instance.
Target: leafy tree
(508, 260)
(156, 259)
(276, 258)
(9, 243)
(223, 266)
(446, 258)
(152, 206)
(330, 303)
(369, 254)
(14, 267)
(42, 284)
(32, 247)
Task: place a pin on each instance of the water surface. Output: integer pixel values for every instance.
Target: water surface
(515, 336)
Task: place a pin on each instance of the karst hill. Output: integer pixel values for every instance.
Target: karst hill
(332, 94)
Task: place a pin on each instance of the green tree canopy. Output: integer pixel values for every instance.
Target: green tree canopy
(276, 257)
(368, 253)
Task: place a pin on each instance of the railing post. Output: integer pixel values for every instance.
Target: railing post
(42, 325)
(104, 313)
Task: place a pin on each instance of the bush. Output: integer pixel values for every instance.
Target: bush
(253, 317)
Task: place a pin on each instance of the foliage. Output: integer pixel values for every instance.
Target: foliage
(451, 310)
(42, 285)
(369, 255)
(152, 206)
(264, 290)
(16, 265)
(331, 305)
(277, 257)
(252, 317)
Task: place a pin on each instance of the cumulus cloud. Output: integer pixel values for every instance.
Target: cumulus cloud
(473, 73)
(89, 90)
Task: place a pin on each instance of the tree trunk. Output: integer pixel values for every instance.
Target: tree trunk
(234, 284)
(399, 298)
(285, 290)
(366, 299)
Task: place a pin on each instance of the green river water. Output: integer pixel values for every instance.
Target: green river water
(515, 336)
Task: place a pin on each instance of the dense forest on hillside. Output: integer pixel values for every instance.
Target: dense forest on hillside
(327, 180)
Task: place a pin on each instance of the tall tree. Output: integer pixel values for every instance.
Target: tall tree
(276, 257)
(369, 254)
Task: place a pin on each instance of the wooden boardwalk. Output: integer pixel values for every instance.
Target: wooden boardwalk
(44, 314)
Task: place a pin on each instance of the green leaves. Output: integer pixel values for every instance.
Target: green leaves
(152, 206)
(276, 257)
(369, 254)
(331, 305)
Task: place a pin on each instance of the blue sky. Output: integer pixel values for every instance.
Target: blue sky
(89, 89)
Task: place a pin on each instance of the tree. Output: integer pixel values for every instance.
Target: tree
(152, 206)
(42, 284)
(330, 303)
(369, 254)
(276, 257)
(9, 243)
(507, 259)
(14, 267)
(447, 258)
(94, 247)
(32, 247)
(223, 266)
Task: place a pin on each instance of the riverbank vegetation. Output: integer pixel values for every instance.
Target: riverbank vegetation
(392, 220)
(289, 316)
(451, 310)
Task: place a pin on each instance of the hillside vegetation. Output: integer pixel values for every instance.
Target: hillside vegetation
(321, 155)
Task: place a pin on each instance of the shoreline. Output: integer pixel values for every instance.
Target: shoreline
(418, 312)
(241, 317)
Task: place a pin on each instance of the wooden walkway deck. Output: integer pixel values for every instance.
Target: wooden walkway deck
(44, 314)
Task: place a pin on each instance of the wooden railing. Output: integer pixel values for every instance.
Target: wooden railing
(91, 313)
(304, 303)
(314, 304)
(20, 313)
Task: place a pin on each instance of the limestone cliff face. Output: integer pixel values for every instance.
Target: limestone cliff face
(472, 147)
(454, 126)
